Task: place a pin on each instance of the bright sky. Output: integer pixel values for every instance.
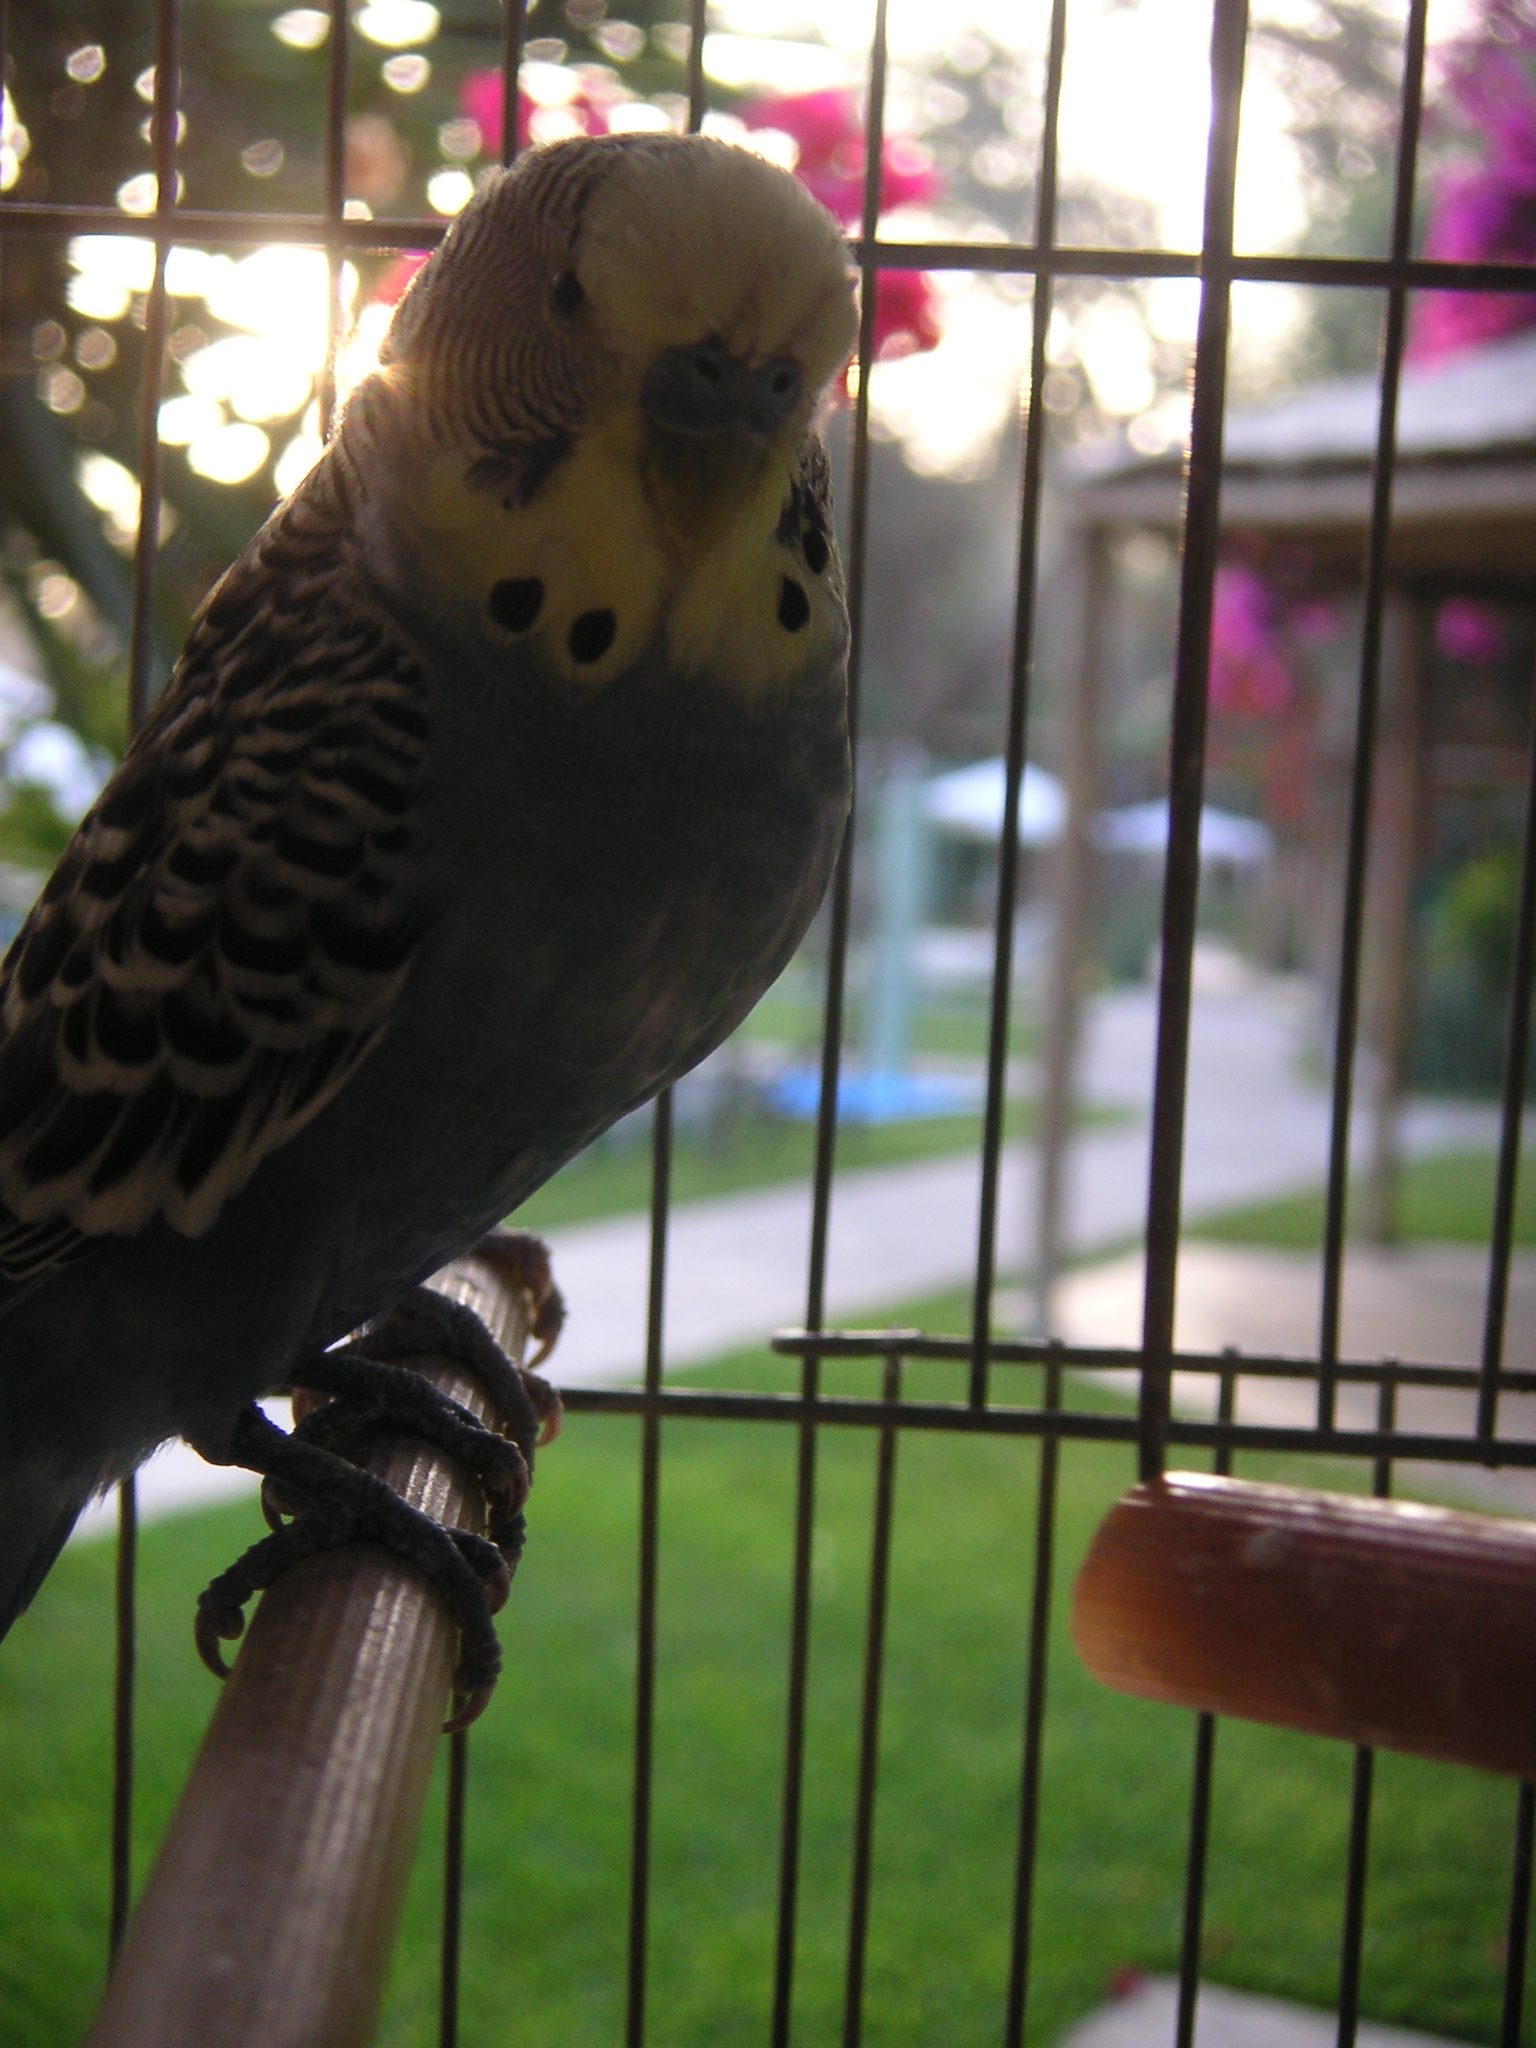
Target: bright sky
(1135, 111)
(1135, 101)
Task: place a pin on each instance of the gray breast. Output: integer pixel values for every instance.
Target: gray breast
(612, 883)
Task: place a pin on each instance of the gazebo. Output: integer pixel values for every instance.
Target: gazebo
(1464, 498)
(1297, 482)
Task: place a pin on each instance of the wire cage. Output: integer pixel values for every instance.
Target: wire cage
(1003, 1386)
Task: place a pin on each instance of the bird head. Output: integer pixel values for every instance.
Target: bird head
(625, 340)
(720, 294)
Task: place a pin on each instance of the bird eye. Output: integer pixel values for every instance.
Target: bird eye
(566, 294)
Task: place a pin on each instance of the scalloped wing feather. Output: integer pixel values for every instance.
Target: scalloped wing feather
(226, 934)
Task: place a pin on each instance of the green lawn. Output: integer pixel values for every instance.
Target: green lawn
(954, 1022)
(756, 1150)
(544, 1940)
(1447, 1197)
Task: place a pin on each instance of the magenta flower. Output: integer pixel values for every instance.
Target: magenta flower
(829, 129)
(1470, 632)
(1264, 717)
(480, 98)
(389, 289)
(1486, 213)
(1248, 672)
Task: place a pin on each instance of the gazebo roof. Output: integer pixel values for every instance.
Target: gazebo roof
(1465, 492)
(1471, 405)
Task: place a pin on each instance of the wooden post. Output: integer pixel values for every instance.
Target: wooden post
(268, 1919)
(1069, 931)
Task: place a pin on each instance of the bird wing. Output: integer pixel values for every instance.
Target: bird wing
(224, 937)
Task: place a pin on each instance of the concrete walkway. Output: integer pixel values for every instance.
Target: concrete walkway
(1145, 2018)
(736, 1266)
(1423, 1304)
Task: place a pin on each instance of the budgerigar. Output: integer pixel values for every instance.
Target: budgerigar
(500, 776)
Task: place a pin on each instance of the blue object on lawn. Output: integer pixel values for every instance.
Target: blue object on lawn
(876, 1098)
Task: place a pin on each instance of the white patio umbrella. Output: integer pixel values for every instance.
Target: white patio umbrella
(967, 803)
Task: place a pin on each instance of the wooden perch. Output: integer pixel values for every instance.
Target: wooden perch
(1374, 1621)
(268, 1918)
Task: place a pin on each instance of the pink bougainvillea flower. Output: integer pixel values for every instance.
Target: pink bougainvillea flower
(1314, 620)
(906, 314)
(597, 91)
(389, 289)
(480, 98)
(1470, 632)
(1263, 720)
(1249, 676)
(1487, 95)
(828, 128)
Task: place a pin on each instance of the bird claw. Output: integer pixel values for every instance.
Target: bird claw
(488, 1564)
(309, 1475)
(216, 1622)
(468, 1707)
(522, 1260)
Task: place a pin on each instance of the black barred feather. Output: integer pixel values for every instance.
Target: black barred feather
(516, 389)
(226, 935)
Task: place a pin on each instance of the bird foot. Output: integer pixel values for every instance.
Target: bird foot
(313, 1476)
(522, 1260)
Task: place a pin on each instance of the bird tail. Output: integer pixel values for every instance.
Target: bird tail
(36, 1516)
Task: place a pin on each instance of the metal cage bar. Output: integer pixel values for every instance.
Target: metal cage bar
(1362, 1785)
(869, 1714)
(1517, 1046)
(1024, 259)
(1201, 1774)
(334, 153)
(451, 1947)
(650, 1428)
(1186, 747)
(1518, 1934)
(645, 1597)
(124, 1673)
(798, 1668)
(1026, 574)
(1043, 1563)
(1352, 923)
(141, 683)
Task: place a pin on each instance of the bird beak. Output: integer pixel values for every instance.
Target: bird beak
(712, 419)
(700, 388)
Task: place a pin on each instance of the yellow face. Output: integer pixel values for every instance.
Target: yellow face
(591, 571)
(641, 535)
